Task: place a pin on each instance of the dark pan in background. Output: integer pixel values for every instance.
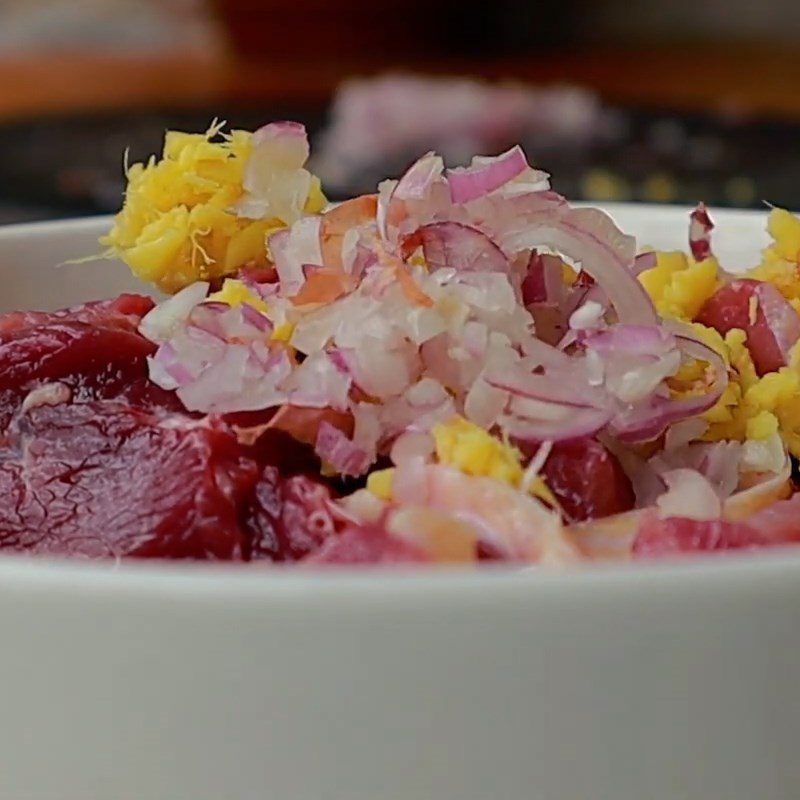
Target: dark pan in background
(72, 165)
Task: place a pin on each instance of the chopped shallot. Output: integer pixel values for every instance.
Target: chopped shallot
(275, 181)
(689, 495)
(485, 175)
(477, 292)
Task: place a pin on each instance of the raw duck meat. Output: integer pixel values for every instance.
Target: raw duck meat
(771, 324)
(659, 538)
(94, 362)
(407, 349)
(367, 544)
(290, 516)
(94, 350)
(125, 312)
(100, 462)
(103, 479)
(586, 479)
(777, 524)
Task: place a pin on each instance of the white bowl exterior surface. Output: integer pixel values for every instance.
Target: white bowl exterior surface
(153, 682)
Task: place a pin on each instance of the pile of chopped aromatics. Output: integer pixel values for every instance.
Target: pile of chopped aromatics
(478, 363)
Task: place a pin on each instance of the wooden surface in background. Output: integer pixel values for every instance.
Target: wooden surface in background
(743, 79)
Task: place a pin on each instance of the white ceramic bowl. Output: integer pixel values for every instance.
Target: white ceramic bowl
(153, 682)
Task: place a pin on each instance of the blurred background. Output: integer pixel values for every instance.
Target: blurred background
(619, 99)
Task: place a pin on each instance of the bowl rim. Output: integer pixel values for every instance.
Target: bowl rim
(200, 581)
(80, 225)
(724, 574)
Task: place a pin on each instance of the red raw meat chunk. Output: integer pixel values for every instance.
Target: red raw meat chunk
(779, 523)
(289, 517)
(94, 349)
(658, 537)
(775, 525)
(93, 361)
(105, 475)
(367, 544)
(125, 312)
(728, 308)
(587, 480)
(101, 479)
(279, 449)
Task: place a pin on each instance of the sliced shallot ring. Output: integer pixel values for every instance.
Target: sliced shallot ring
(417, 179)
(578, 423)
(547, 389)
(648, 422)
(479, 179)
(255, 318)
(587, 236)
(453, 245)
(629, 340)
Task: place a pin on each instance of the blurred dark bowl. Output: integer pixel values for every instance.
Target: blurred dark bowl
(72, 165)
(392, 31)
(322, 30)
